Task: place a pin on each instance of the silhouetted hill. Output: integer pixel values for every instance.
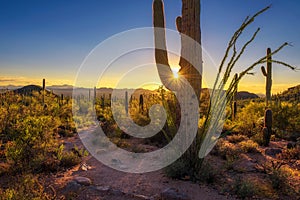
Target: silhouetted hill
(246, 95)
(29, 89)
(291, 94)
(205, 92)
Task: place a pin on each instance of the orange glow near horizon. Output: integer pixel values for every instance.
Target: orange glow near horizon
(258, 88)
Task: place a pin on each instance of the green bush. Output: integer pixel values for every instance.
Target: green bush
(249, 146)
(236, 138)
(26, 187)
(244, 188)
(69, 159)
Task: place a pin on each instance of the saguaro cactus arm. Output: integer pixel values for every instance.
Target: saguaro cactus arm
(161, 54)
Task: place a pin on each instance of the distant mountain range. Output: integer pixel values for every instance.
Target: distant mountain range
(292, 93)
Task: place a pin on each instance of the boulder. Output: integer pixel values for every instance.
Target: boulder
(273, 151)
(83, 180)
(173, 194)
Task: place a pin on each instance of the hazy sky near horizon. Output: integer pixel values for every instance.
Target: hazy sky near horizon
(51, 39)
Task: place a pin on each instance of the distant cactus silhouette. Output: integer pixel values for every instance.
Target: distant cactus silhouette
(43, 91)
(126, 102)
(103, 101)
(234, 102)
(95, 94)
(141, 104)
(44, 84)
(268, 74)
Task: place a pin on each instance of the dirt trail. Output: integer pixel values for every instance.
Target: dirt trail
(126, 186)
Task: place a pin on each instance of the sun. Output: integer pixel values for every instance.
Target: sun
(175, 71)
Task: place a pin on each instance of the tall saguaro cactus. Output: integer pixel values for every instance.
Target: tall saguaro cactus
(43, 91)
(268, 75)
(189, 26)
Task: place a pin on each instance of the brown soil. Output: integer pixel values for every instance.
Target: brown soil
(126, 186)
(109, 184)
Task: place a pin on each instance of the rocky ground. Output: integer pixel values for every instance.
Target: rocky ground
(93, 180)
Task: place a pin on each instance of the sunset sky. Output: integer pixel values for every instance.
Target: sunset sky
(51, 39)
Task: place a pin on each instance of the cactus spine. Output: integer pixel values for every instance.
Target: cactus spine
(267, 130)
(268, 74)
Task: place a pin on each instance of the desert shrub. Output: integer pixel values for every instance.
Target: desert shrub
(178, 169)
(24, 187)
(207, 173)
(248, 118)
(248, 146)
(226, 150)
(244, 188)
(291, 154)
(279, 179)
(258, 138)
(69, 159)
(236, 138)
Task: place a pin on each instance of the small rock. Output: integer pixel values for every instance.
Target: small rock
(173, 194)
(85, 167)
(273, 151)
(244, 164)
(291, 145)
(116, 192)
(83, 180)
(71, 186)
(141, 197)
(102, 189)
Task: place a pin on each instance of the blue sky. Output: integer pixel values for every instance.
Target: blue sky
(51, 38)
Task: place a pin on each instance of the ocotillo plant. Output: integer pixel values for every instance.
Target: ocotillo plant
(268, 74)
(126, 102)
(267, 130)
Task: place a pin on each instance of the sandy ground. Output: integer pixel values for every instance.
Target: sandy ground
(125, 186)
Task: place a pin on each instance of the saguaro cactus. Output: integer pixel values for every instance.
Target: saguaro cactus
(95, 94)
(43, 91)
(234, 102)
(188, 25)
(268, 74)
(44, 84)
(267, 130)
(126, 102)
(190, 62)
(141, 104)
